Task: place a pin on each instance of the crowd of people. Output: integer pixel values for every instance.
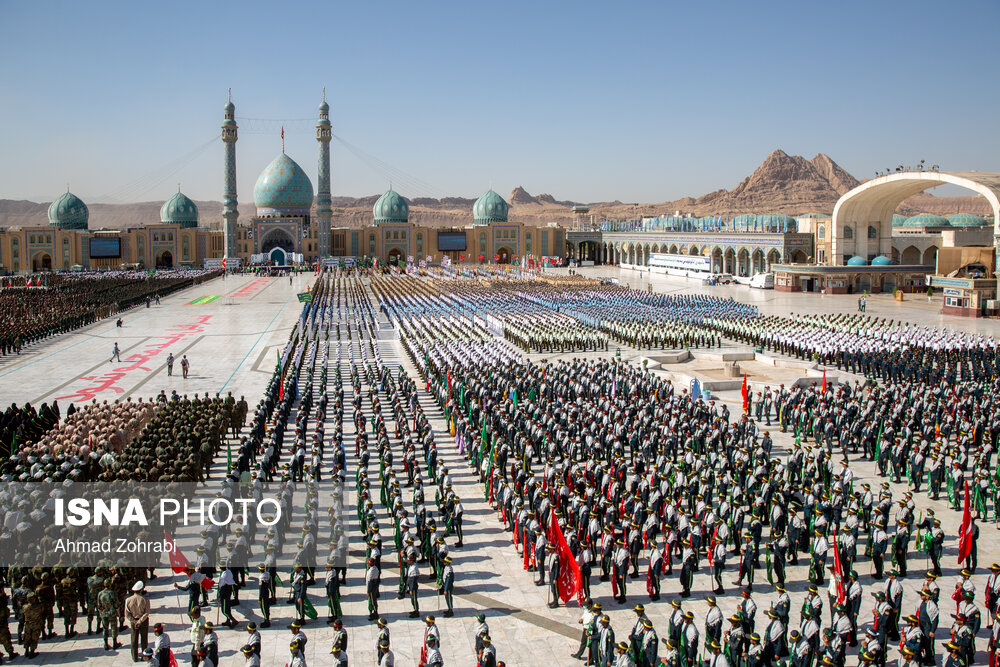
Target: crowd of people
(35, 309)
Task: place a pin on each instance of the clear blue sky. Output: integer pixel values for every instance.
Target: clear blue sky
(645, 101)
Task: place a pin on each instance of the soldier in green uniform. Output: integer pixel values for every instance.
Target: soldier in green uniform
(20, 596)
(120, 584)
(34, 616)
(5, 629)
(107, 607)
(95, 586)
(46, 593)
(66, 596)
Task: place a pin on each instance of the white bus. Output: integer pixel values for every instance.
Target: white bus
(680, 265)
(762, 281)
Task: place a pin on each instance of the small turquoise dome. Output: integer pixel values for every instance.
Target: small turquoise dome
(967, 220)
(179, 210)
(283, 189)
(926, 220)
(491, 207)
(881, 260)
(390, 207)
(857, 260)
(69, 212)
(898, 220)
(324, 107)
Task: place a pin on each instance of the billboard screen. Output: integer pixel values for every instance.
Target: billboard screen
(451, 241)
(105, 246)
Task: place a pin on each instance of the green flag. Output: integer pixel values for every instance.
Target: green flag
(878, 440)
(229, 456)
(308, 608)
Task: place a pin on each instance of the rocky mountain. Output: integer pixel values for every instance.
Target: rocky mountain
(781, 184)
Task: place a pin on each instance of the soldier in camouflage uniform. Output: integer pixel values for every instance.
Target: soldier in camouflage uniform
(107, 607)
(66, 598)
(120, 585)
(46, 593)
(20, 596)
(5, 629)
(95, 585)
(34, 617)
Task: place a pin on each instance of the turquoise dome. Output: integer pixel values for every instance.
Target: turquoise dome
(283, 189)
(491, 207)
(69, 212)
(390, 207)
(179, 210)
(881, 260)
(926, 220)
(857, 260)
(898, 220)
(967, 220)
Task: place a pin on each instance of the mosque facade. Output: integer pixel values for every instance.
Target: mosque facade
(292, 223)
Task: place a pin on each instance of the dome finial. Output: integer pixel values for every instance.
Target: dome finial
(178, 187)
(282, 138)
(324, 93)
(230, 94)
(67, 186)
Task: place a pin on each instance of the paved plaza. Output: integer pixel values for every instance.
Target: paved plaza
(230, 330)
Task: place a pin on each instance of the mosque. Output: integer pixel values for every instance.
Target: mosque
(292, 224)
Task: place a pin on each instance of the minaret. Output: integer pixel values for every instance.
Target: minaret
(324, 213)
(230, 213)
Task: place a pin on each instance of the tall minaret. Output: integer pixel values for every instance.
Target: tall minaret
(324, 213)
(230, 213)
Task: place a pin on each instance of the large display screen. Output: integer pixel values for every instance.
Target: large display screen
(105, 246)
(451, 241)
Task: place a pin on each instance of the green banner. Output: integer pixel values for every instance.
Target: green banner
(305, 297)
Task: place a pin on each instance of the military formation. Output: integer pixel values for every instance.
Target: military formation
(603, 475)
(36, 307)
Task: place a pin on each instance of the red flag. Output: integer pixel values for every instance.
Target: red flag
(281, 390)
(824, 380)
(282, 131)
(527, 551)
(202, 581)
(746, 395)
(223, 263)
(178, 561)
(614, 579)
(173, 660)
(570, 579)
(965, 534)
(649, 579)
(838, 573)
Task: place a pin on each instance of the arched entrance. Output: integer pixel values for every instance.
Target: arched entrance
(395, 256)
(743, 263)
(773, 257)
(278, 238)
(503, 255)
(717, 260)
(165, 260)
(729, 262)
(41, 262)
(278, 257)
(758, 261)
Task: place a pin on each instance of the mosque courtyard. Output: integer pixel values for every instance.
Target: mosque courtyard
(231, 330)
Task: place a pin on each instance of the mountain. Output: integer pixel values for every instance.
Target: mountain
(781, 184)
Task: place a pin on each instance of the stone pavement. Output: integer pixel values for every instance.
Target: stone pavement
(231, 347)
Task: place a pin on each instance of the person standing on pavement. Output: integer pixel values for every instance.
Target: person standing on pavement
(137, 615)
(161, 646)
(170, 364)
(116, 353)
(185, 366)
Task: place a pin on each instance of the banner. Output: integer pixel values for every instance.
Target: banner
(965, 539)
(570, 579)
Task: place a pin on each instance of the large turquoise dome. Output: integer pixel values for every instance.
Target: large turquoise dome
(283, 189)
(179, 210)
(926, 220)
(69, 212)
(491, 207)
(390, 207)
(966, 220)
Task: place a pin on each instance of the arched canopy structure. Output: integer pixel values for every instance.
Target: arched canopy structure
(873, 203)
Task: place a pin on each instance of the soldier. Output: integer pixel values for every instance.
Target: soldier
(332, 585)
(66, 594)
(34, 618)
(252, 659)
(20, 597)
(5, 639)
(372, 580)
(46, 592)
(264, 594)
(448, 586)
(161, 645)
(107, 608)
(137, 612)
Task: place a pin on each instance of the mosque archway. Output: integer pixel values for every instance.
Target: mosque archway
(717, 260)
(693, 250)
(673, 250)
(910, 255)
(757, 261)
(930, 257)
(503, 255)
(773, 257)
(165, 260)
(395, 256)
(730, 261)
(277, 238)
(278, 257)
(42, 261)
(631, 254)
(743, 262)
(799, 257)
(645, 255)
